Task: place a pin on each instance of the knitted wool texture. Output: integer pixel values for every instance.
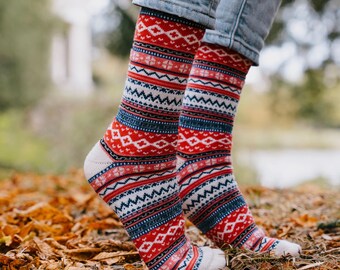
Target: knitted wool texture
(210, 195)
(133, 167)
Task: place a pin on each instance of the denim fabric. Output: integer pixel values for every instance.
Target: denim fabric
(200, 11)
(241, 25)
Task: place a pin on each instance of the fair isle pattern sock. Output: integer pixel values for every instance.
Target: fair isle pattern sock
(210, 195)
(133, 167)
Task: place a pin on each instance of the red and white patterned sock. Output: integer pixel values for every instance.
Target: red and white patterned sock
(133, 168)
(210, 195)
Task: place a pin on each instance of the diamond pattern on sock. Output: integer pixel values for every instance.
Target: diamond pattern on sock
(209, 192)
(133, 167)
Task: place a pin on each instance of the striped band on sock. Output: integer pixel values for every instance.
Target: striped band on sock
(210, 195)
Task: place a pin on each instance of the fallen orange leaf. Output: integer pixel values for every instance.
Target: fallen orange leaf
(305, 221)
(108, 223)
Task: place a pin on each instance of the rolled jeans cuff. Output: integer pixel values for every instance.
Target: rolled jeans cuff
(241, 25)
(202, 14)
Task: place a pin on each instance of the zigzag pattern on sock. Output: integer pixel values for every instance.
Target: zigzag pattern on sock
(210, 195)
(133, 167)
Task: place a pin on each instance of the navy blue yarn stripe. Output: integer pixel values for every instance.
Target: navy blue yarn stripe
(167, 201)
(143, 124)
(223, 211)
(244, 236)
(154, 221)
(205, 125)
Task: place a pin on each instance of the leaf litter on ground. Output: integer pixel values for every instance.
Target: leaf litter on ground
(58, 222)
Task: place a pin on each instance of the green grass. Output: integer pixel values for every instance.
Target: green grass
(20, 148)
(298, 137)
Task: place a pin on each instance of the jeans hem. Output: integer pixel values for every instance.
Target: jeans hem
(167, 6)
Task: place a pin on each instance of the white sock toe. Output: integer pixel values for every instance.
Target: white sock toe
(284, 248)
(213, 259)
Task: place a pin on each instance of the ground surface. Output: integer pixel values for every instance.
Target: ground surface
(57, 222)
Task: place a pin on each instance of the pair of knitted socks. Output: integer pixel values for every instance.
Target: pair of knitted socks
(168, 151)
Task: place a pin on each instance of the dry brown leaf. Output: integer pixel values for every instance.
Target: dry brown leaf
(52, 265)
(256, 190)
(45, 250)
(285, 231)
(305, 220)
(17, 262)
(64, 238)
(309, 266)
(108, 223)
(25, 230)
(115, 245)
(131, 267)
(10, 230)
(112, 261)
(107, 255)
(40, 211)
(5, 259)
(83, 199)
(53, 243)
(82, 253)
(327, 237)
(83, 250)
(72, 226)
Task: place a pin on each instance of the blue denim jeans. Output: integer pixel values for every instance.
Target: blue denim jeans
(241, 25)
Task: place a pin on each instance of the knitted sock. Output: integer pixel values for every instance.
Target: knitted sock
(133, 167)
(211, 198)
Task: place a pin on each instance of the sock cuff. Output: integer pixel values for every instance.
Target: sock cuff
(224, 56)
(170, 17)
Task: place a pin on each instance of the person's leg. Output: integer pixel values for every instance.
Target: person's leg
(200, 11)
(210, 195)
(133, 167)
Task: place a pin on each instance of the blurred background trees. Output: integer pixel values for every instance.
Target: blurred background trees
(312, 31)
(25, 31)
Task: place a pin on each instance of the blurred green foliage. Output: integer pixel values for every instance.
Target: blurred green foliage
(53, 137)
(25, 31)
(20, 148)
(313, 101)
